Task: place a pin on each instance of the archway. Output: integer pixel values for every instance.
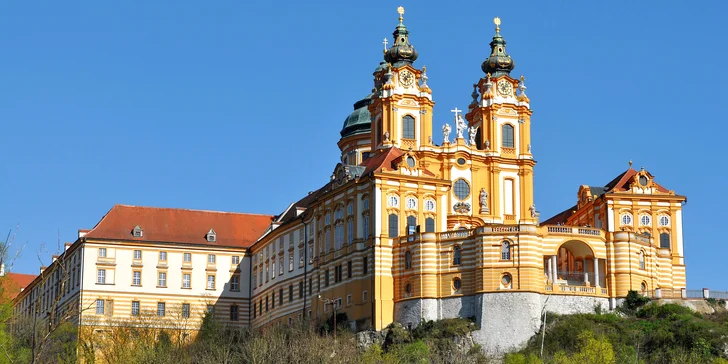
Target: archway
(573, 264)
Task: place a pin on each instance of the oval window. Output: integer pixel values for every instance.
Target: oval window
(461, 189)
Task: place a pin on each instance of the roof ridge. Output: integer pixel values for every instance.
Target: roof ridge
(195, 210)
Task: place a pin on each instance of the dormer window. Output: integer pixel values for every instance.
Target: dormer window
(137, 232)
(211, 236)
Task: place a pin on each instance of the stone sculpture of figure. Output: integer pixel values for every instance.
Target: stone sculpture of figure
(483, 201)
(473, 133)
(534, 213)
(487, 144)
(429, 139)
(386, 136)
(460, 125)
(446, 133)
(529, 148)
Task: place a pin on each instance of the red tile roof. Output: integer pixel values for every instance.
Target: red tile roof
(621, 182)
(13, 283)
(381, 160)
(180, 226)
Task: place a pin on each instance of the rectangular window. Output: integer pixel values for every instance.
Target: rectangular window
(255, 309)
(290, 261)
(429, 225)
(186, 280)
(136, 278)
(161, 309)
(365, 228)
(135, 308)
(163, 256)
(162, 279)
(300, 289)
(365, 267)
(326, 278)
(101, 276)
(348, 269)
(187, 257)
(310, 286)
(99, 307)
(300, 257)
(233, 313)
(348, 300)
(508, 196)
(364, 296)
(280, 266)
(280, 296)
(255, 279)
(290, 293)
(266, 303)
(210, 281)
(508, 138)
(235, 283)
(350, 231)
(137, 255)
(408, 127)
(185, 310)
(393, 225)
(102, 252)
(273, 300)
(236, 259)
(310, 254)
(273, 268)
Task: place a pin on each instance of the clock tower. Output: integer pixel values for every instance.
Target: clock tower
(501, 111)
(401, 110)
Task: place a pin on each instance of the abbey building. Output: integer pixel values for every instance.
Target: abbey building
(404, 230)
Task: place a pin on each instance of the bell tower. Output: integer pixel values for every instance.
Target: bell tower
(401, 108)
(501, 111)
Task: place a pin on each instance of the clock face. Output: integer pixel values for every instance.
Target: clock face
(505, 87)
(407, 78)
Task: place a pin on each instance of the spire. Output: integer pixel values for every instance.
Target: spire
(401, 52)
(499, 62)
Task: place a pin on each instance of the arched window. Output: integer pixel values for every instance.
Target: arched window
(665, 240)
(429, 225)
(457, 284)
(393, 225)
(508, 139)
(408, 260)
(506, 250)
(411, 225)
(408, 127)
(642, 259)
(456, 255)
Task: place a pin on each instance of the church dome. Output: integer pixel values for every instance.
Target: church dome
(360, 120)
(499, 62)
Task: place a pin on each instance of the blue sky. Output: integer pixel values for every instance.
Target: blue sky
(236, 106)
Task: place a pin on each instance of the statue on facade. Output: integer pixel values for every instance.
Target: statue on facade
(446, 133)
(460, 125)
(529, 148)
(386, 136)
(534, 213)
(487, 144)
(483, 201)
(473, 133)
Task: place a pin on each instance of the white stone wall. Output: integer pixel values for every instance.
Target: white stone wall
(506, 320)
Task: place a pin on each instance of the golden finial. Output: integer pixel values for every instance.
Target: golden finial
(400, 10)
(497, 23)
(487, 76)
(424, 69)
(630, 163)
(523, 78)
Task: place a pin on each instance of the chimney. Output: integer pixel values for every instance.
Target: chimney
(68, 245)
(42, 268)
(82, 233)
(55, 257)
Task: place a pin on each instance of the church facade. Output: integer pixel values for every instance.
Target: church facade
(406, 230)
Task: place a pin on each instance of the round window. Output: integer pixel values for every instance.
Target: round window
(408, 289)
(626, 219)
(506, 280)
(664, 221)
(411, 203)
(461, 189)
(456, 283)
(393, 201)
(643, 180)
(645, 220)
(430, 205)
(461, 161)
(411, 162)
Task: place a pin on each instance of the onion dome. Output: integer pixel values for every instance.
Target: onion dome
(402, 52)
(360, 120)
(499, 62)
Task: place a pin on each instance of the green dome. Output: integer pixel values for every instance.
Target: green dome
(360, 120)
(499, 62)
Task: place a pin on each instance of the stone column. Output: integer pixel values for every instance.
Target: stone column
(550, 270)
(596, 272)
(555, 268)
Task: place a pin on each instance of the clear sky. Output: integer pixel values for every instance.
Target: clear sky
(237, 106)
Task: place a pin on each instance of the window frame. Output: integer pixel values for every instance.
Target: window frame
(506, 247)
(408, 127)
(508, 141)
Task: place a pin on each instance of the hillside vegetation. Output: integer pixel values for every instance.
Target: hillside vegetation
(639, 332)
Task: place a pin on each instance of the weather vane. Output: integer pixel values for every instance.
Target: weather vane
(400, 10)
(497, 23)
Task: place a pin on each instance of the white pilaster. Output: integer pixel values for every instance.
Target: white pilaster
(596, 272)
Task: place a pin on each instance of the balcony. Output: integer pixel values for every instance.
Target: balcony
(576, 290)
(574, 230)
